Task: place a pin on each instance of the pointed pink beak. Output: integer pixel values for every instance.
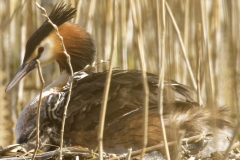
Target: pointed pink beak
(22, 72)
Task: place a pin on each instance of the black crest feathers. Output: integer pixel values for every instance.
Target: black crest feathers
(60, 14)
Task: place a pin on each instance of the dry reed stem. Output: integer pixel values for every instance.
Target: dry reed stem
(199, 65)
(107, 86)
(129, 154)
(235, 145)
(147, 150)
(182, 46)
(123, 33)
(178, 146)
(138, 27)
(68, 58)
(90, 15)
(161, 51)
(206, 36)
(53, 154)
(186, 35)
(196, 138)
(233, 138)
(185, 141)
(152, 148)
(38, 108)
(79, 4)
(186, 24)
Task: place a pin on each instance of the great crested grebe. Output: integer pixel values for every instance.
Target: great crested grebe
(124, 109)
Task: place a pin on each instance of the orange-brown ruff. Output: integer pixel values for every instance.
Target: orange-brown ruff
(124, 119)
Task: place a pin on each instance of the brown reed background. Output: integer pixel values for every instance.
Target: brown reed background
(209, 29)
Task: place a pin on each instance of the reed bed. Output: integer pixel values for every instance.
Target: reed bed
(201, 46)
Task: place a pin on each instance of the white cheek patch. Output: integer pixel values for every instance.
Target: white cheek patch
(47, 56)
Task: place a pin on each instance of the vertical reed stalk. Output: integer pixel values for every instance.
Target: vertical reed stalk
(161, 51)
(107, 84)
(138, 28)
(38, 108)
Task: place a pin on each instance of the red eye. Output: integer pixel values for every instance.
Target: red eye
(40, 50)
